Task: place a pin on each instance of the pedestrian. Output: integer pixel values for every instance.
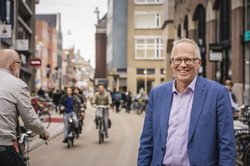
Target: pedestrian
(14, 101)
(188, 120)
(56, 98)
(236, 108)
(41, 93)
(128, 101)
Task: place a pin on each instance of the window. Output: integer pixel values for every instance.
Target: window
(142, 71)
(147, 20)
(163, 71)
(149, 48)
(145, 79)
(148, 1)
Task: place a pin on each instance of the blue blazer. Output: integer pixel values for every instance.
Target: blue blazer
(211, 140)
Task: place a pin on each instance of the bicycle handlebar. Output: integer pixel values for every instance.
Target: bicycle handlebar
(102, 106)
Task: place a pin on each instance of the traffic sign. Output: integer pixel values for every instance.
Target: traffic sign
(247, 36)
(36, 62)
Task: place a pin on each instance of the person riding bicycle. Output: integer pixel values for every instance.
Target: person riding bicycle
(70, 103)
(80, 110)
(102, 97)
(14, 101)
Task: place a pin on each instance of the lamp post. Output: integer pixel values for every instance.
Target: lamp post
(145, 80)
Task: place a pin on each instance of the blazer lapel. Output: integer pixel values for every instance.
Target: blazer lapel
(165, 110)
(198, 101)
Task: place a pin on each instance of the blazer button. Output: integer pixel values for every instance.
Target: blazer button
(163, 149)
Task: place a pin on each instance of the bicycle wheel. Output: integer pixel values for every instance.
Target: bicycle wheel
(45, 117)
(246, 156)
(100, 131)
(69, 143)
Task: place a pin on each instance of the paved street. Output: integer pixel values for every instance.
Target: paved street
(119, 149)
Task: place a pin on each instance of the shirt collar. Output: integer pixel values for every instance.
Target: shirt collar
(5, 70)
(190, 86)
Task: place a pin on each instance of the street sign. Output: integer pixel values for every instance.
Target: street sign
(215, 56)
(35, 62)
(247, 36)
(5, 31)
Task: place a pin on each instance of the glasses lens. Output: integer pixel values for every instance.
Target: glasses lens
(188, 61)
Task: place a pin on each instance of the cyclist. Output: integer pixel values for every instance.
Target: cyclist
(70, 102)
(102, 97)
(14, 101)
(79, 112)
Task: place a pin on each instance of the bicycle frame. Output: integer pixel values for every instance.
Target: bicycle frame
(100, 119)
(23, 144)
(242, 146)
(71, 132)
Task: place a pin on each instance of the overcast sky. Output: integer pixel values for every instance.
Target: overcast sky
(78, 17)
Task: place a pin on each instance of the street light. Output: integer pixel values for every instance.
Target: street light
(145, 80)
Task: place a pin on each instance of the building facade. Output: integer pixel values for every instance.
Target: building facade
(51, 38)
(17, 26)
(117, 44)
(145, 45)
(101, 45)
(42, 47)
(218, 27)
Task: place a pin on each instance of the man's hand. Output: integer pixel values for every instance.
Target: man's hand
(45, 136)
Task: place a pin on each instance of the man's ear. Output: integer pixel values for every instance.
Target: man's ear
(12, 66)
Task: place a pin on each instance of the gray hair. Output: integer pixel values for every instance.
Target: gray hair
(7, 56)
(186, 40)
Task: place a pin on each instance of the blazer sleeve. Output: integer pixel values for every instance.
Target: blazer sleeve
(145, 154)
(225, 128)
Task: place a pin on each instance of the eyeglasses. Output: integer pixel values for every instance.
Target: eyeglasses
(187, 61)
(19, 62)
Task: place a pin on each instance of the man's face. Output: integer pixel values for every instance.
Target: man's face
(186, 71)
(101, 88)
(16, 68)
(69, 91)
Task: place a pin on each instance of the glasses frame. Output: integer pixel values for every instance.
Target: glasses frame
(187, 61)
(19, 62)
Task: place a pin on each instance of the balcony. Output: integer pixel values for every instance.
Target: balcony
(24, 9)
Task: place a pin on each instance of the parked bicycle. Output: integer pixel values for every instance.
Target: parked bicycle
(139, 105)
(42, 109)
(242, 137)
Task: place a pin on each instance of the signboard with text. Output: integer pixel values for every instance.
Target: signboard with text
(35, 62)
(215, 56)
(22, 44)
(247, 36)
(5, 31)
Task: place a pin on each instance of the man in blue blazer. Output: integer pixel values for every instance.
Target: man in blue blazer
(189, 120)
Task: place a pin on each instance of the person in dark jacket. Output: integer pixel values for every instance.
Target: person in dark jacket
(70, 102)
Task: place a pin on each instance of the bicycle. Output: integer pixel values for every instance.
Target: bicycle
(72, 134)
(42, 109)
(72, 130)
(100, 121)
(81, 116)
(242, 147)
(24, 142)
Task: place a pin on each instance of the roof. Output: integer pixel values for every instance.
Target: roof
(51, 19)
